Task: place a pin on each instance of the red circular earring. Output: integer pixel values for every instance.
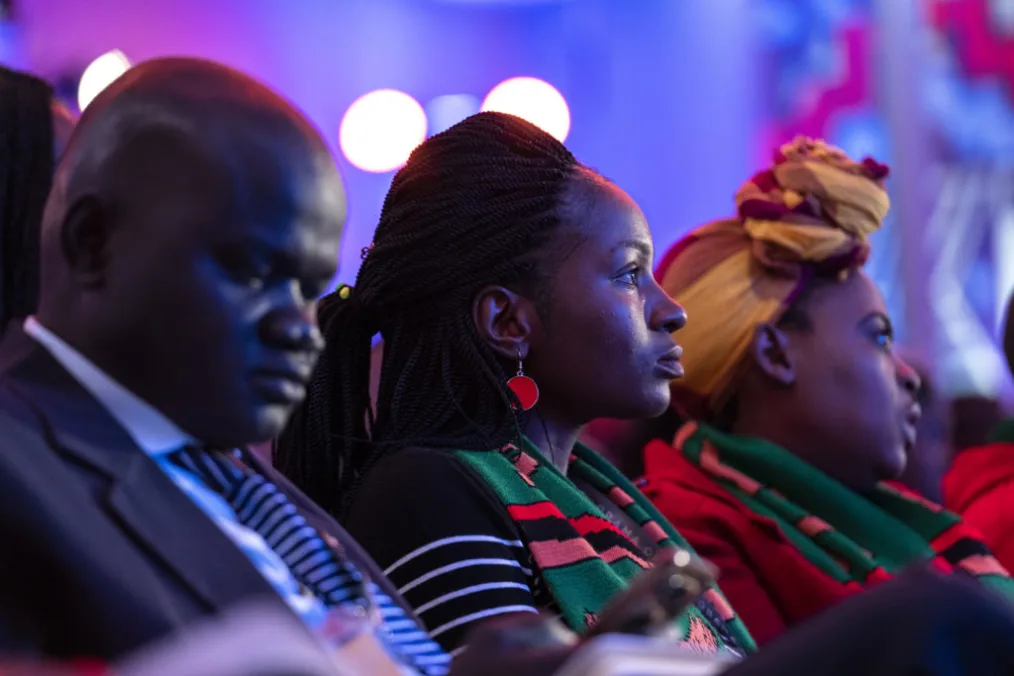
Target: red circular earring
(524, 388)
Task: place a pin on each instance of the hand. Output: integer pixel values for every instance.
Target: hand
(516, 644)
(648, 606)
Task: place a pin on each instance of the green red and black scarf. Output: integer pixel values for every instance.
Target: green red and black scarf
(854, 539)
(1003, 432)
(583, 558)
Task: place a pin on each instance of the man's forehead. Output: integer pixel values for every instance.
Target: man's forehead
(305, 188)
(255, 165)
(295, 238)
(299, 245)
(297, 215)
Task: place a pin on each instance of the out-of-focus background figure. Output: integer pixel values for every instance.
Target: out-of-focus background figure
(34, 128)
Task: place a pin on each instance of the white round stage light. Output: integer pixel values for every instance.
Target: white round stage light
(381, 129)
(99, 74)
(534, 100)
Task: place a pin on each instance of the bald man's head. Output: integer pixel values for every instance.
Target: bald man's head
(195, 217)
(192, 102)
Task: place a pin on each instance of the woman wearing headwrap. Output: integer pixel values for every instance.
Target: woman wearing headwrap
(802, 410)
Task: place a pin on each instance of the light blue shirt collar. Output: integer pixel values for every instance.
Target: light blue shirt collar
(154, 433)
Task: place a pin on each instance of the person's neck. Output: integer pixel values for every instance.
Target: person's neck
(64, 330)
(93, 349)
(554, 439)
(770, 427)
(773, 427)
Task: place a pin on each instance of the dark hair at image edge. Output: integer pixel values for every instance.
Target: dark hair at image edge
(1008, 334)
(473, 207)
(26, 175)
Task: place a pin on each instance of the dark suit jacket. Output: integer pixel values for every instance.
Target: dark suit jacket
(100, 552)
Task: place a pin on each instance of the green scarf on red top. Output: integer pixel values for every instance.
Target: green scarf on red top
(560, 524)
(855, 539)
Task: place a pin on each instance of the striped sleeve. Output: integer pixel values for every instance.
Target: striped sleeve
(444, 541)
(408, 639)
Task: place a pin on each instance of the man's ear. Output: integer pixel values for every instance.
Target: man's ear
(505, 320)
(771, 352)
(84, 241)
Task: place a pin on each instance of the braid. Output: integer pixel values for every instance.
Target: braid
(473, 207)
(306, 451)
(26, 174)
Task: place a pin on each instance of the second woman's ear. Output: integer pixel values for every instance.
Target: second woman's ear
(772, 354)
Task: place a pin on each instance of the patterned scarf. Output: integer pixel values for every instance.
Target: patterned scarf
(583, 558)
(854, 539)
(1003, 432)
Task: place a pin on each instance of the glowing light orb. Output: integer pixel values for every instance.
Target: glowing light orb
(381, 129)
(99, 74)
(534, 100)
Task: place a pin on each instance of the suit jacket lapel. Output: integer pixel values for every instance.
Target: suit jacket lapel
(140, 497)
(187, 541)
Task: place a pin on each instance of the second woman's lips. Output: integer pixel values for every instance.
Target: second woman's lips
(910, 425)
(909, 435)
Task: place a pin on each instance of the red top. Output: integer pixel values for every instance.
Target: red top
(80, 667)
(767, 581)
(980, 487)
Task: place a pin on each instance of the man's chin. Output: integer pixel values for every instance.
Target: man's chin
(270, 421)
(252, 427)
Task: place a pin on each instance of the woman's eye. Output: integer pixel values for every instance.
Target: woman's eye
(885, 339)
(631, 277)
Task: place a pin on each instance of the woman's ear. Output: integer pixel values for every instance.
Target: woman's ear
(505, 321)
(771, 352)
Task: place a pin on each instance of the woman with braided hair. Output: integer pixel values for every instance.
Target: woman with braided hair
(801, 408)
(34, 128)
(511, 286)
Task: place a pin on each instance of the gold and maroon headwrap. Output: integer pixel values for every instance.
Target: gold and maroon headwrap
(808, 214)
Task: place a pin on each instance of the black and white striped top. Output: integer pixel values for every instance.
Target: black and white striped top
(446, 542)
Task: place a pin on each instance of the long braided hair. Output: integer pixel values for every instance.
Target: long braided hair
(473, 207)
(26, 174)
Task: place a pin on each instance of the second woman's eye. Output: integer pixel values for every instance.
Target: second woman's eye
(884, 339)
